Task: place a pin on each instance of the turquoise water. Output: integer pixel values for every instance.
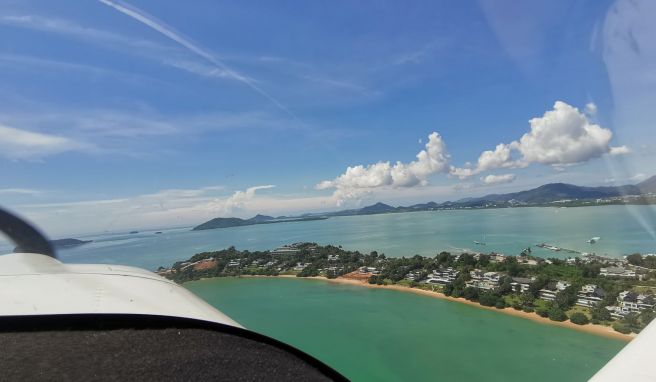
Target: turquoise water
(382, 335)
(623, 229)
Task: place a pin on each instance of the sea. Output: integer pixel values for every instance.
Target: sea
(380, 335)
(622, 230)
(385, 335)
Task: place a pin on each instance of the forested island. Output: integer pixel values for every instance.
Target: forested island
(257, 219)
(584, 290)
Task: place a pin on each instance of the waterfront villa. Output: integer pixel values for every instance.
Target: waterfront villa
(300, 266)
(234, 263)
(444, 276)
(286, 250)
(523, 283)
(617, 272)
(413, 276)
(590, 295)
(550, 291)
(484, 280)
(635, 303)
(371, 270)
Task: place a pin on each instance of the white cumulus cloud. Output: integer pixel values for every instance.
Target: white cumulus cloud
(561, 137)
(497, 179)
(359, 180)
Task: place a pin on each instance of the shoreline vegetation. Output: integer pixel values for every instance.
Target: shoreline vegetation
(595, 329)
(603, 296)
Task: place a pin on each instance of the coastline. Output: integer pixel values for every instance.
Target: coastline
(599, 330)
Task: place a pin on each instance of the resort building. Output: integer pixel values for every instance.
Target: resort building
(333, 257)
(233, 263)
(523, 283)
(286, 250)
(617, 272)
(590, 295)
(443, 276)
(631, 302)
(371, 270)
(550, 291)
(484, 280)
(300, 266)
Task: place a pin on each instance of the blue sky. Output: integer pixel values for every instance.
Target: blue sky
(117, 115)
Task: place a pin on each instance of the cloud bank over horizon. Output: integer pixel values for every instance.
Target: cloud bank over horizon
(562, 137)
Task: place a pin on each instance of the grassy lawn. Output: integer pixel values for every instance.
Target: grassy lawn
(539, 303)
(579, 309)
(511, 299)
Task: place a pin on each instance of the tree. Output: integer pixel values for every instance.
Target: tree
(600, 313)
(622, 328)
(539, 283)
(557, 314)
(500, 304)
(542, 311)
(634, 259)
(567, 298)
(579, 318)
(512, 267)
(505, 287)
(448, 289)
(646, 316)
(488, 298)
(631, 320)
(526, 298)
(470, 293)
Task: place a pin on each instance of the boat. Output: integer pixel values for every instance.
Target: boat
(478, 243)
(594, 240)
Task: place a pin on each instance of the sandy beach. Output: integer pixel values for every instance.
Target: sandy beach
(599, 330)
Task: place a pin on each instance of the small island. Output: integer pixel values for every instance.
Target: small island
(68, 243)
(590, 293)
(257, 219)
(63, 243)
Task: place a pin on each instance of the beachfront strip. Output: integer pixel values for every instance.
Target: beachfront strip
(587, 289)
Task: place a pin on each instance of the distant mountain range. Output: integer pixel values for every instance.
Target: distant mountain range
(563, 193)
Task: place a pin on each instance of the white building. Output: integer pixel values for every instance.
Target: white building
(522, 282)
(371, 270)
(484, 280)
(444, 276)
(300, 266)
(617, 272)
(590, 295)
(549, 293)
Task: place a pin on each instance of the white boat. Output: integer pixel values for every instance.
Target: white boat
(594, 240)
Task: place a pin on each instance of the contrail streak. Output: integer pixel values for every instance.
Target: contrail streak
(160, 27)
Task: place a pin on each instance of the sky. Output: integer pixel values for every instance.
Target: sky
(122, 115)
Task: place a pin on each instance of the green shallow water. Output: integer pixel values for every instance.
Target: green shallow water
(383, 335)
